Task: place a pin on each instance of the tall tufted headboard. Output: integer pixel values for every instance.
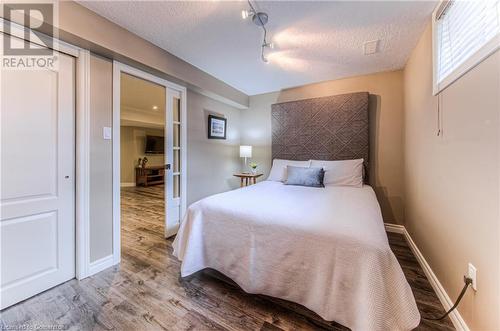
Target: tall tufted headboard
(326, 128)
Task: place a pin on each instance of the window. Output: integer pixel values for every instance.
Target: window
(464, 34)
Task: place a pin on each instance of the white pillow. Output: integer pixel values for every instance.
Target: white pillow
(278, 170)
(342, 172)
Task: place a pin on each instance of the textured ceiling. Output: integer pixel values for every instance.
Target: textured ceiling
(315, 41)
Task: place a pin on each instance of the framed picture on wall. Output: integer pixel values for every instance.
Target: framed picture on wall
(216, 127)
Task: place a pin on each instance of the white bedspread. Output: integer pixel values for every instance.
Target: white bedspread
(324, 248)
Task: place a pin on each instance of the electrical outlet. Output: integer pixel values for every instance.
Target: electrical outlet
(472, 271)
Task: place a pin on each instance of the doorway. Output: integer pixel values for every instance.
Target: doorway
(149, 152)
(142, 161)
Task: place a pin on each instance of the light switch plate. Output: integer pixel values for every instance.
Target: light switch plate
(106, 133)
(472, 273)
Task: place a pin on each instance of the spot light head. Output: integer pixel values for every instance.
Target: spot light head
(245, 14)
(260, 18)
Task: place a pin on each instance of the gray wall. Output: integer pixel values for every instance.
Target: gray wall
(210, 162)
(101, 184)
(256, 129)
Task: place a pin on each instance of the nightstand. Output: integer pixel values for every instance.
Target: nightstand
(247, 178)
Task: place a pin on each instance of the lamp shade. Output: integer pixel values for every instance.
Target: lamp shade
(245, 151)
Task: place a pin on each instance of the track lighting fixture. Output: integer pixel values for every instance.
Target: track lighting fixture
(259, 19)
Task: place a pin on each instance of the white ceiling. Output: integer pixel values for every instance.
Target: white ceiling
(315, 41)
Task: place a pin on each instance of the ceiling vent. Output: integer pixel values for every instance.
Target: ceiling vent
(371, 47)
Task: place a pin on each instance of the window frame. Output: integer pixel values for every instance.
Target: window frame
(472, 61)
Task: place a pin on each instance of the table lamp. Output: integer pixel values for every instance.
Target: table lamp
(246, 152)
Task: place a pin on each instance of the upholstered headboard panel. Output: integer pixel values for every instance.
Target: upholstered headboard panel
(327, 128)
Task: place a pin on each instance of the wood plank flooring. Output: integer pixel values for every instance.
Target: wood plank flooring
(145, 291)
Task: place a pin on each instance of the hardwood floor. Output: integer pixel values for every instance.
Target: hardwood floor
(145, 291)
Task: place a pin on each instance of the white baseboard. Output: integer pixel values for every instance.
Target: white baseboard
(456, 318)
(390, 227)
(127, 184)
(173, 231)
(100, 265)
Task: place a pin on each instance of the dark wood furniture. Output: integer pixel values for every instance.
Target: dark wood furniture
(150, 175)
(247, 178)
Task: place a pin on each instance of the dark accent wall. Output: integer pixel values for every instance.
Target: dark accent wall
(327, 128)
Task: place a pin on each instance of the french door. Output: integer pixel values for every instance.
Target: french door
(175, 150)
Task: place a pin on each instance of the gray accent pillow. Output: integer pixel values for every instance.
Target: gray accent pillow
(301, 176)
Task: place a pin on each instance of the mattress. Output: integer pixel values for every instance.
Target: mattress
(324, 248)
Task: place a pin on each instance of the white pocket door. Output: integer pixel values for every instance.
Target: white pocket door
(37, 217)
(173, 150)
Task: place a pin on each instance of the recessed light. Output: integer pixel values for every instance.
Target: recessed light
(155, 107)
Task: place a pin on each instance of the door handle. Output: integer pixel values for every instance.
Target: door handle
(167, 166)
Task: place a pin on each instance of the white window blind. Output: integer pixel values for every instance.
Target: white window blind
(465, 33)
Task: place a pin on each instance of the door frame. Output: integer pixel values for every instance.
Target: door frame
(118, 69)
(82, 139)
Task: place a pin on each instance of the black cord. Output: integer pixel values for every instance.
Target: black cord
(264, 42)
(468, 281)
(439, 114)
(251, 6)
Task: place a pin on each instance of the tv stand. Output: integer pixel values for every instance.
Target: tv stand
(150, 175)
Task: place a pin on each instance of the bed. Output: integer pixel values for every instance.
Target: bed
(324, 248)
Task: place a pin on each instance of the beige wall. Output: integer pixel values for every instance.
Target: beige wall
(101, 190)
(452, 181)
(132, 145)
(386, 130)
(210, 162)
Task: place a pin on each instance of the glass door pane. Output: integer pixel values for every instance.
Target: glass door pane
(177, 147)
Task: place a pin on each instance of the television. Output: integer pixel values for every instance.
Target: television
(155, 145)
